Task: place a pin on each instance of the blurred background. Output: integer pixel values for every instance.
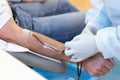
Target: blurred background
(82, 5)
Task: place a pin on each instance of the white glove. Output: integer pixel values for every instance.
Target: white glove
(83, 45)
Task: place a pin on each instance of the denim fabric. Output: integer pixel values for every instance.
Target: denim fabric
(56, 18)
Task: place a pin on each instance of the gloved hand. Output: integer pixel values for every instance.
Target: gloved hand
(83, 45)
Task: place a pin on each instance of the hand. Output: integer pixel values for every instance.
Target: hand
(34, 0)
(81, 47)
(97, 65)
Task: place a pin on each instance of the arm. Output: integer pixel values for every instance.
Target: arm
(15, 34)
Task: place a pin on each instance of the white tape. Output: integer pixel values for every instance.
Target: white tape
(27, 33)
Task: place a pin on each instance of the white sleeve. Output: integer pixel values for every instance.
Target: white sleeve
(5, 6)
(4, 17)
(5, 12)
(108, 42)
(97, 14)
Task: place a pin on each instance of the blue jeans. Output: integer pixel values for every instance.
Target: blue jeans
(57, 19)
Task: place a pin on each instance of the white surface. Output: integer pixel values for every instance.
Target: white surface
(12, 69)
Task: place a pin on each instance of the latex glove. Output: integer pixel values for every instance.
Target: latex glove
(82, 48)
(83, 45)
(33, 0)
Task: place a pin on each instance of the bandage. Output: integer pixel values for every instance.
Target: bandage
(27, 33)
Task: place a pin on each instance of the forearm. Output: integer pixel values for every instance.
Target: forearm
(11, 32)
(46, 50)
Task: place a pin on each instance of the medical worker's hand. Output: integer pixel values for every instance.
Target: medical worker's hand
(83, 45)
(33, 0)
(97, 65)
(82, 48)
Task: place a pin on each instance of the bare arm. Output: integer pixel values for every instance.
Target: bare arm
(11, 32)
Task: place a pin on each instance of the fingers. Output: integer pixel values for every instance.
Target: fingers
(102, 70)
(70, 44)
(98, 66)
(111, 60)
(69, 52)
(69, 48)
(99, 71)
(109, 64)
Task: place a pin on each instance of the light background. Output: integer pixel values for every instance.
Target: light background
(82, 5)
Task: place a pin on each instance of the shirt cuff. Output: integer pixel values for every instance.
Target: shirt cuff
(108, 43)
(4, 17)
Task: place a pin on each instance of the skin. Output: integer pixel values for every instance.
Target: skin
(15, 34)
(97, 65)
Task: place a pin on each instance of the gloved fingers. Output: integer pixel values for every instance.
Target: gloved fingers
(69, 52)
(71, 44)
(76, 58)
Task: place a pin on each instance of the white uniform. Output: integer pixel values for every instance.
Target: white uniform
(5, 12)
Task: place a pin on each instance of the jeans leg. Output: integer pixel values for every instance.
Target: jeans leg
(55, 7)
(51, 7)
(65, 5)
(60, 27)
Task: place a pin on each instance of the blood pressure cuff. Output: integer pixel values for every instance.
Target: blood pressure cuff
(40, 62)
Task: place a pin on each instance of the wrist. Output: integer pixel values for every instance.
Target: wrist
(65, 58)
